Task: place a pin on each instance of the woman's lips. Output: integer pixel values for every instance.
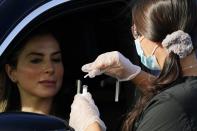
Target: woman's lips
(48, 83)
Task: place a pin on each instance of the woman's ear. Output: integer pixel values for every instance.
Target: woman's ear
(11, 72)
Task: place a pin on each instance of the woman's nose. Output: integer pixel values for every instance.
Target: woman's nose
(49, 68)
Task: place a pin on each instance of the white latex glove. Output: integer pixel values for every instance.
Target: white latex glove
(113, 64)
(84, 112)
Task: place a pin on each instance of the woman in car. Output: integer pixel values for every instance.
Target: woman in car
(31, 80)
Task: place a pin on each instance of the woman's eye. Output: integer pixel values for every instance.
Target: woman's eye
(35, 61)
(57, 60)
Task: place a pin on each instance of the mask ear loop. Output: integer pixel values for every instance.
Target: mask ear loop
(141, 38)
(153, 52)
(154, 49)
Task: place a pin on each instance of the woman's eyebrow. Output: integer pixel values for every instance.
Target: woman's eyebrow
(35, 53)
(57, 52)
(41, 54)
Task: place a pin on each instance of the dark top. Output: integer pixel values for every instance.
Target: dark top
(174, 109)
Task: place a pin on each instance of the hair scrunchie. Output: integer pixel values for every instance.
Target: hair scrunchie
(179, 43)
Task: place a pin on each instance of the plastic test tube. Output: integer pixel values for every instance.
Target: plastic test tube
(78, 86)
(117, 91)
(85, 89)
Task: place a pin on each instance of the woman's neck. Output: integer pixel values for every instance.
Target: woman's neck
(189, 65)
(41, 106)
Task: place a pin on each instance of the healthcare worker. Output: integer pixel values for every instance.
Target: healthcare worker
(165, 33)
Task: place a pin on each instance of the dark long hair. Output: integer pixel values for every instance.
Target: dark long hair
(9, 93)
(155, 19)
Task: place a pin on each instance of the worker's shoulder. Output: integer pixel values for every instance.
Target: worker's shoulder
(183, 92)
(180, 95)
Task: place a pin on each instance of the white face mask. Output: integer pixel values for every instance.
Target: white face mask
(149, 61)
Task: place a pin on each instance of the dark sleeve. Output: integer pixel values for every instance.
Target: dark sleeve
(164, 115)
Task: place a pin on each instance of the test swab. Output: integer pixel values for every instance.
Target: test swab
(94, 73)
(86, 75)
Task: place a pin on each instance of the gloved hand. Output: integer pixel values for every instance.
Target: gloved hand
(84, 112)
(113, 64)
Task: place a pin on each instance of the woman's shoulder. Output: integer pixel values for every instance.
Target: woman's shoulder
(183, 92)
(176, 101)
(181, 89)
(174, 108)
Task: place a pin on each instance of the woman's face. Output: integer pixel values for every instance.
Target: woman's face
(39, 70)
